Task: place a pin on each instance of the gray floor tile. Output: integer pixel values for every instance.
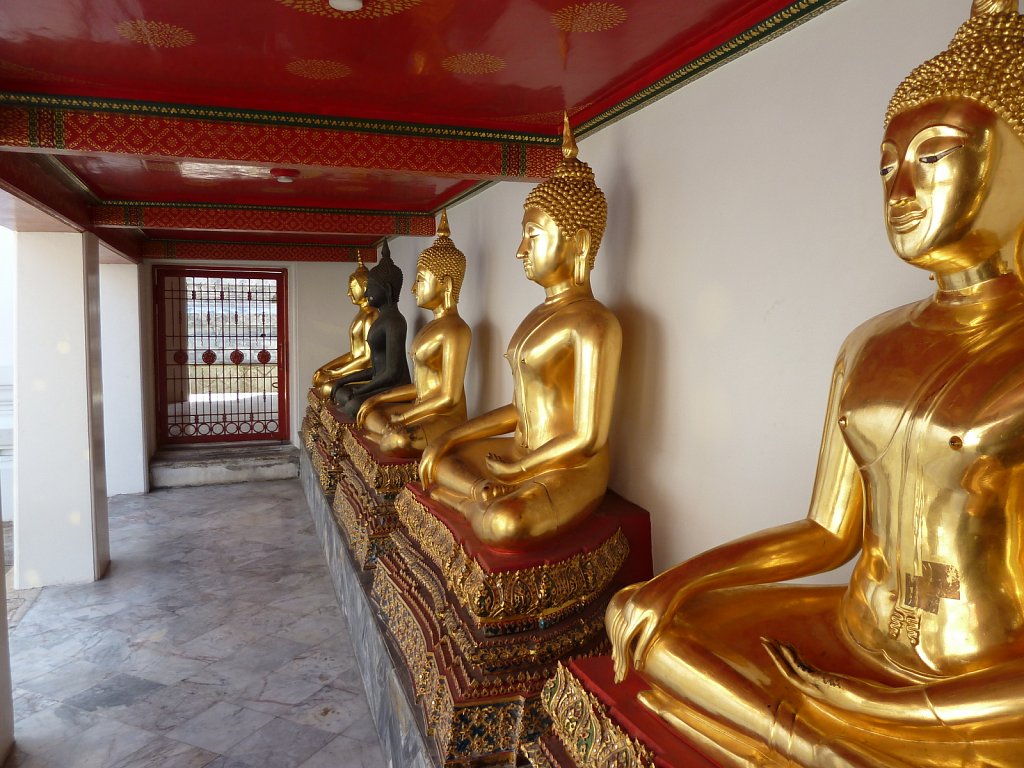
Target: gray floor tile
(346, 752)
(165, 753)
(215, 641)
(220, 727)
(279, 744)
(115, 692)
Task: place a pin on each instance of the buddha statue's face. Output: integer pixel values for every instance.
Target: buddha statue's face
(938, 165)
(547, 255)
(428, 290)
(356, 290)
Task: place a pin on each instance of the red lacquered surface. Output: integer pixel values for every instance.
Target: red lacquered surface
(614, 513)
(671, 751)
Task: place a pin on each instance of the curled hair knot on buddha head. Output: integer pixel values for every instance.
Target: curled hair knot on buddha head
(984, 63)
(387, 273)
(571, 196)
(444, 259)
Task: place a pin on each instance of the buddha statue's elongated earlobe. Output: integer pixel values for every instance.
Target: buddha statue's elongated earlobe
(449, 295)
(581, 265)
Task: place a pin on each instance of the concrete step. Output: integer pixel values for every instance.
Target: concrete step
(223, 463)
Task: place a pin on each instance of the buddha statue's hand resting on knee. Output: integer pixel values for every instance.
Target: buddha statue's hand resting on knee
(553, 472)
(403, 419)
(385, 339)
(919, 659)
(358, 356)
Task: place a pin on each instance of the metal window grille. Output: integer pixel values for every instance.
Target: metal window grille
(221, 354)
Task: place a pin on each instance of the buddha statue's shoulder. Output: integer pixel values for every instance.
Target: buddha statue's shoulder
(883, 324)
(586, 309)
(366, 316)
(448, 324)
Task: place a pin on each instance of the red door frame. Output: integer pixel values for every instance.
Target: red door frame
(159, 328)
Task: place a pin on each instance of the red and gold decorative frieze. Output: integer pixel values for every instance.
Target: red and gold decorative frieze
(203, 250)
(117, 132)
(259, 219)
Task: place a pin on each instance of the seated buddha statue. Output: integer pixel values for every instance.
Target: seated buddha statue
(553, 471)
(385, 339)
(919, 659)
(402, 420)
(358, 356)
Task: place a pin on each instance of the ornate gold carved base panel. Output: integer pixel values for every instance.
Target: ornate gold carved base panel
(480, 634)
(596, 723)
(323, 430)
(364, 500)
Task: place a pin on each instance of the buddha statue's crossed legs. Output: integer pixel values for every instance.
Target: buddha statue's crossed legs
(511, 513)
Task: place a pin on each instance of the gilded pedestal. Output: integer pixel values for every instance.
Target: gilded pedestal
(364, 501)
(323, 429)
(598, 724)
(481, 631)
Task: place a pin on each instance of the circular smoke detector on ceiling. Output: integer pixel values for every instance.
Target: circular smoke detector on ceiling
(346, 5)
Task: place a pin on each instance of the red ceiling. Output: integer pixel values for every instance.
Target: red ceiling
(126, 177)
(403, 106)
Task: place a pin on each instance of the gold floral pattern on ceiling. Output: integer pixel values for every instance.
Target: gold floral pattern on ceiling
(589, 17)
(319, 69)
(372, 9)
(156, 34)
(473, 64)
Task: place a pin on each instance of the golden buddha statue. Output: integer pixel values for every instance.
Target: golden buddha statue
(358, 356)
(564, 356)
(918, 659)
(404, 419)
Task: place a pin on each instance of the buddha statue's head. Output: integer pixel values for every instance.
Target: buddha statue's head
(440, 270)
(953, 153)
(357, 282)
(564, 221)
(384, 281)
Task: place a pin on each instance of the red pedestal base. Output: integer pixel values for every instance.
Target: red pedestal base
(481, 631)
(596, 722)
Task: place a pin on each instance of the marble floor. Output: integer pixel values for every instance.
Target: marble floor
(214, 642)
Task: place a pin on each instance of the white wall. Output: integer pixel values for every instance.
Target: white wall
(744, 241)
(125, 442)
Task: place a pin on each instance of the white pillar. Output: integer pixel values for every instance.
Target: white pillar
(60, 499)
(8, 243)
(124, 435)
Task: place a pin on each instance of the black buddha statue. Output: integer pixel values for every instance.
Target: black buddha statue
(386, 339)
